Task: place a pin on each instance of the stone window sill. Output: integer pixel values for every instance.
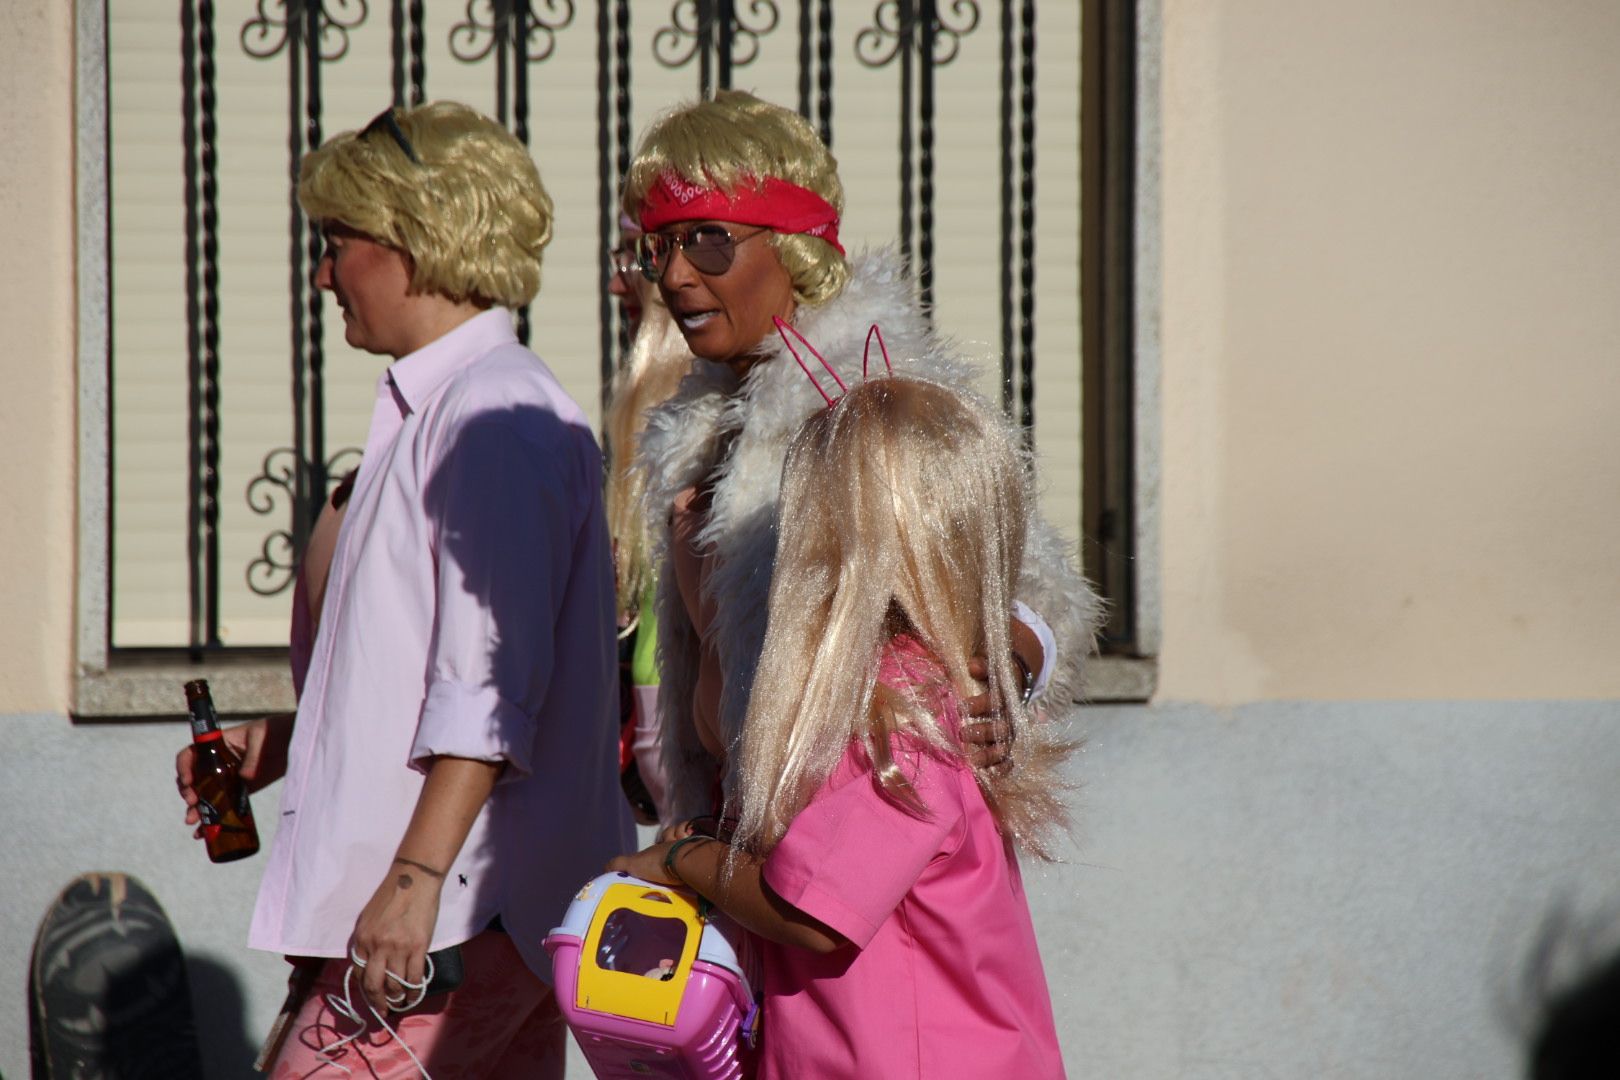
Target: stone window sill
(150, 687)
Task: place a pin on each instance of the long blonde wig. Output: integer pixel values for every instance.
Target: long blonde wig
(903, 510)
(737, 138)
(657, 361)
(471, 212)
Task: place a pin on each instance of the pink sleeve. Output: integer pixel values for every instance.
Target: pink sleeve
(852, 854)
(506, 521)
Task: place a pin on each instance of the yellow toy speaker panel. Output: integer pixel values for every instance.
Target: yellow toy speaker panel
(651, 985)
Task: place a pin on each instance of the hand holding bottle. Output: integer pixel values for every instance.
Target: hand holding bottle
(260, 744)
(213, 781)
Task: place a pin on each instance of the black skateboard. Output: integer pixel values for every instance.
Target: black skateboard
(108, 995)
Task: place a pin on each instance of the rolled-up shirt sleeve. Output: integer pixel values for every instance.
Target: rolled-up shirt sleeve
(504, 525)
(853, 854)
(1043, 633)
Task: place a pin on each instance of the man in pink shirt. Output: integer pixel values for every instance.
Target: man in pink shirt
(452, 772)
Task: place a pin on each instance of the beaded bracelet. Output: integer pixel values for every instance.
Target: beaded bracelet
(669, 856)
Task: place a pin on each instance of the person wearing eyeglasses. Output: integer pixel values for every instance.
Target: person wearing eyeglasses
(740, 205)
(451, 775)
(626, 282)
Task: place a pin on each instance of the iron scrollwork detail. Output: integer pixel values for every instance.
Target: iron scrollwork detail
(894, 24)
(278, 477)
(691, 26)
(266, 34)
(488, 21)
(272, 571)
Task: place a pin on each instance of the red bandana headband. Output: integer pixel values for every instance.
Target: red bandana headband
(775, 204)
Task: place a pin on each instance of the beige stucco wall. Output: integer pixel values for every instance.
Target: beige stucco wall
(1391, 453)
(36, 354)
(1389, 351)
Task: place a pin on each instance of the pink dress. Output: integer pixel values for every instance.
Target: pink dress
(944, 979)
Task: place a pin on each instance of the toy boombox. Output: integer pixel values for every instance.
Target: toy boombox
(653, 986)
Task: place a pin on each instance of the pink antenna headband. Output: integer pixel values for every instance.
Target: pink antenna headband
(785, 328)
(772, 203)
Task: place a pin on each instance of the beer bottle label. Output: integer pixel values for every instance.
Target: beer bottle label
(200, 706)
(244, 811)
(210, 817)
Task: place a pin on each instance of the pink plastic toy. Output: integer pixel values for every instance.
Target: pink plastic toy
(651, 986)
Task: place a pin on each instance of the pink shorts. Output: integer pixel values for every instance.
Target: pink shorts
(501, 1022)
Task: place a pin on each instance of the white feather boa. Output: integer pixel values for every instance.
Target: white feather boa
(765, 409)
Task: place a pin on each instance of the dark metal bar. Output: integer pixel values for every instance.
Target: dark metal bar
(621, 124)
(621, 97)
(520, 110)
(210, 326)
(926, 27)
(825, 73)
(805, 30)
(907, 31)
(1026, 220)
(502, 33)
(188, 141)
(418, 50)
(520, 72)
(296, 282)
(606, 185)
(396, 49)
(1006, 206)
(1113, 441)
(315, 461)
(705, 43)
(725, 35)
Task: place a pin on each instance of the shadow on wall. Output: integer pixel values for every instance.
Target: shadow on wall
(112, 995)
(1571, 997)
(220, 1006)
(108, 993)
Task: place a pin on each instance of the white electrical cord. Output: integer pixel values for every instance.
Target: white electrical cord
(344, 1006)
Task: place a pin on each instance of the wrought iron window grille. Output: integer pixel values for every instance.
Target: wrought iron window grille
(918, 39)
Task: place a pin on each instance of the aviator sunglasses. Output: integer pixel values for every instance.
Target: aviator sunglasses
(709, 248)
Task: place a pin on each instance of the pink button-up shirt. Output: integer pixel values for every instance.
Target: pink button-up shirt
(944, 978)
(469, 613)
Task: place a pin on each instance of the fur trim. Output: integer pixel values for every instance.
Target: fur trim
(764, 410)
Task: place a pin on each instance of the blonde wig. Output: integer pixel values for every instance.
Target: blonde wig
(736, 138)
(470, 212)
(658, 359)
(903, 510)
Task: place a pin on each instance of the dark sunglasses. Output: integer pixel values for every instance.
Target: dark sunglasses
(384, 121)
(709, 248)
(624, 259)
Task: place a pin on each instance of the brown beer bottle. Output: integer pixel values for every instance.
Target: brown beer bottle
(222, 797)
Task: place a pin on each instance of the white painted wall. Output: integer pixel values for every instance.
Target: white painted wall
(1329, 891)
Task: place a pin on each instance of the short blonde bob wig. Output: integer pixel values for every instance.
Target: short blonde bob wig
(470, 211)
(737, 138)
